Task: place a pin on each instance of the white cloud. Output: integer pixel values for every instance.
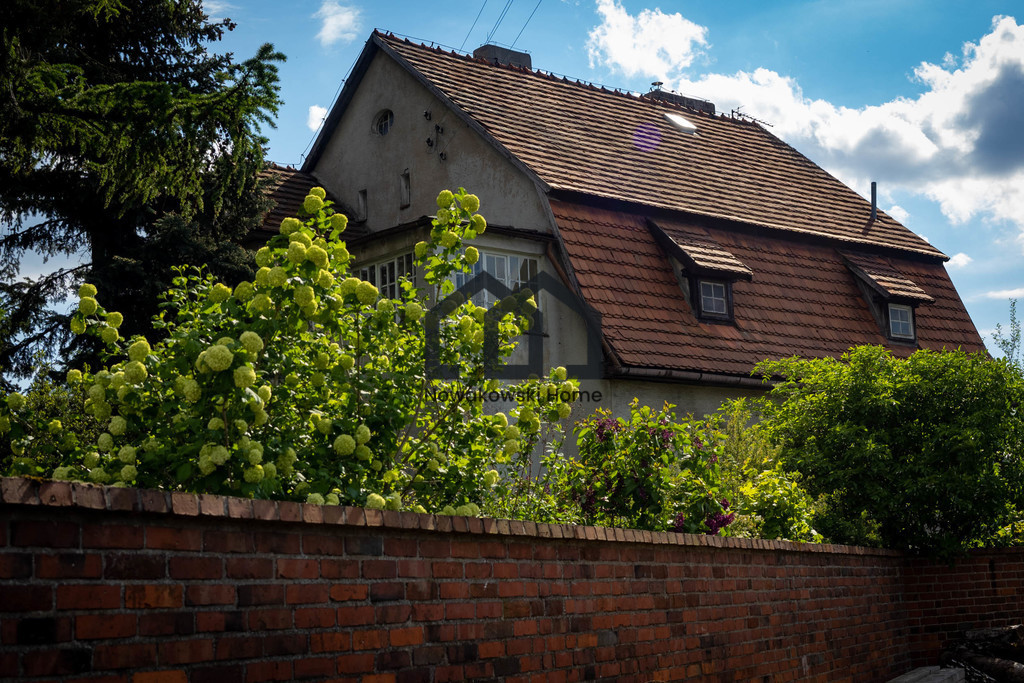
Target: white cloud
(340, 23)
(652, 42)
(959, 143)
(218, 9)
(316, 117)
(899, 213)
(1005, 294)
(959, 260)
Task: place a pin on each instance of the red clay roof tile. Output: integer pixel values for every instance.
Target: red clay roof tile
(802, 300)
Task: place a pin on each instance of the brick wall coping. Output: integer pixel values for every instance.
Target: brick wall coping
(32, 491)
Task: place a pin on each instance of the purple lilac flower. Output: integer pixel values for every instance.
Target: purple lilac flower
(680, 522)
(605, 427)
(718, 521)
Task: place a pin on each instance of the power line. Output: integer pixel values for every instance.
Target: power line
(527, 23)
(498, 22)
(473, 26)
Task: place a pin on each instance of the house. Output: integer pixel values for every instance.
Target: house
(704, 242)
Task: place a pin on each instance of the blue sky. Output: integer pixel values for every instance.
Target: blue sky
(926, 97)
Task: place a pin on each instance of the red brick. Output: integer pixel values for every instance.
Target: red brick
(355, 616)
(227, 542)
(134, 566)
(355, 664)
(26, 598)
(345, 592)
(88, 597)
(315, 617)
(402, 637)
(393, 614)
(241, 647)
(186, 651)
(154, 501)
(103, 626)
(315, 667)
(270, 619)
(210, 594)
(44, 534)
(289, 511)
(152, 596)
(369, 640)
(279, 544)
(167, 623)
(135, 656)
(15, 565)
(306, 593)
(199, 567)
(264, 509)
(19, 491)
(55, 493)
(249, 568)
(60, 662)
(330, 641)
(323, 544)
(260, 594)
(298, 568)
(457, 610)
(172, 538)
(268, 671)
(211, 505)
(332, 568)
(165, 676)
(111, 536)
(379, 569)
(69, 566)
(123, 499)
(184, 504)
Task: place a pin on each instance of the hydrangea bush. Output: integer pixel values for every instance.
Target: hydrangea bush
(306, 383)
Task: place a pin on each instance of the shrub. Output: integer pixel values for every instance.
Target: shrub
(923, 453)
(650, 471)
(307, 383)
(769, 502)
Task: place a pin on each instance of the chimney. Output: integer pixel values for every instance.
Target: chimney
(503, 55)
(874, 201)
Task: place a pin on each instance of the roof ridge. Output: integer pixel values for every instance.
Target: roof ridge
(557, 77)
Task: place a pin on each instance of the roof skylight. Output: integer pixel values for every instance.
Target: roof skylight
(680, 123)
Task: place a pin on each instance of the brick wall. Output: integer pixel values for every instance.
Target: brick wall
(106, 584)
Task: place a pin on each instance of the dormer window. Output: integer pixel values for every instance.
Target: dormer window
(705, 269)
(891, 295)
(901, 321)
(714, 299)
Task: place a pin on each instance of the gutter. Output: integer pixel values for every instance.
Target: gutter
(689, 377)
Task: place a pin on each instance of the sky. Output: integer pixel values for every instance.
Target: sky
(925, 97)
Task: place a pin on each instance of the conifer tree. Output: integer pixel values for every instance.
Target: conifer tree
(127, 143)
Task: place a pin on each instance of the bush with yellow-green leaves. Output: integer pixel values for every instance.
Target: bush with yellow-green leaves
(305, 384)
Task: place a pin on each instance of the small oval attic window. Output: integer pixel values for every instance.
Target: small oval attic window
(382, 122)
(680, 123)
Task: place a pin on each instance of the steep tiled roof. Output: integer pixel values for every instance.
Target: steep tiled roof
(580, 138)
(802, 299)
(287, 188)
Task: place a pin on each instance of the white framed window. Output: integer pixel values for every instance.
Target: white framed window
(901, 321)
(511, 270)
(714, 298)
(386, 274)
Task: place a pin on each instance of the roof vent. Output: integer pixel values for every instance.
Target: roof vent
(675, 98)
(503, 55)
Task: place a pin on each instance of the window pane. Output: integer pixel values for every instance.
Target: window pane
(901, 321)
(712, 298)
